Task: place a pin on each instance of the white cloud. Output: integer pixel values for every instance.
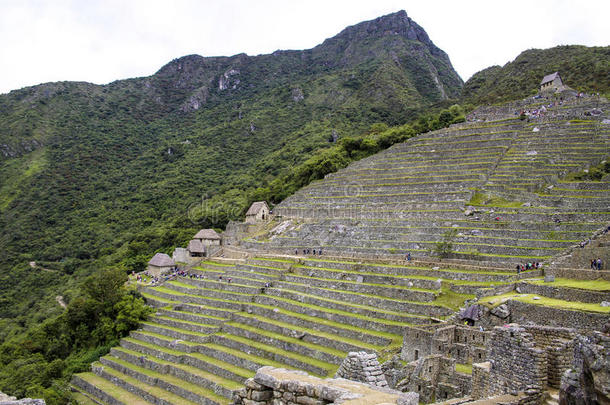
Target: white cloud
(104, 40)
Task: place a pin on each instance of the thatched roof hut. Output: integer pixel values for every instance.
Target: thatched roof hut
(258, 211)
(196, 248)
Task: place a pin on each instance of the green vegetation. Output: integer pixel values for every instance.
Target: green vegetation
(463, 368)
(593, 285)
(444, 247)
(481, 199)
(544, 301)
(595, 173)
(41, 362)
(582, 68)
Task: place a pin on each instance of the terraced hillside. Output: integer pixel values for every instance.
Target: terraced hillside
(208, 334)
(228, 317)
(500, 184)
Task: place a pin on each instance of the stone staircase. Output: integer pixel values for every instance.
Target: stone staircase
(208, 335)
(498, 183)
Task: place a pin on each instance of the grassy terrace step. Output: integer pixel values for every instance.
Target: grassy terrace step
(174, 295)
(149, 392)
(195, 359)
(207, 292)
(323, 327)
(193, 317)
(321, 314)
(295, 360)
(192, 326)
(416, 307)
(546, 302)
(342, 305)
(173, 385)
(223, 352)
(399, 275)
(106, 391)
(305, 348)
(379, 289)
(221, 386)
(224, 285)
(343, 343)
(174, 332)
(82, 398)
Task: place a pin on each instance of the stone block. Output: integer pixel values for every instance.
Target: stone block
(261, 395)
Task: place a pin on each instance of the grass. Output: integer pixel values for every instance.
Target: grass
(463, 368)
(245, 373)
(544, 301)
(230, 384)
(112, 390)
(331, 368)
(592, 285)
(175, 381)
(396, 339)
(451, 299)
(282, 338)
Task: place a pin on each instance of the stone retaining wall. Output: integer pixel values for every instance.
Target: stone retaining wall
(273, 386)
(562, 293)
(530, 313)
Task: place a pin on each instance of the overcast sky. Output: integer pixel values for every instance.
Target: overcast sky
(101, 41)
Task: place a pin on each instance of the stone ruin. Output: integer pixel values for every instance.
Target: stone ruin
(276, 386)
(363, 367)
(588, 380)
(513, 363)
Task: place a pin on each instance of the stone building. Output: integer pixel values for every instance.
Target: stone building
(196, 248)
(258, 212)
(551, 83)
(160, 264)
(463, 343)
(208, 237)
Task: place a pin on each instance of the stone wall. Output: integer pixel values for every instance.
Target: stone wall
(463, 343)
(521, 312)
(516, 365)
(567, 294)
(273, 386)
(363, 367)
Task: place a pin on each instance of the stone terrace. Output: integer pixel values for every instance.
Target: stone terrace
(209, 335)
(498, 183)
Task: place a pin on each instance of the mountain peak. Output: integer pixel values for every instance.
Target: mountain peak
(394, 24)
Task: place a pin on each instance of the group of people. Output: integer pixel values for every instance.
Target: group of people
(309, 251)
(596, 264)
(229, 279)
(527, 266)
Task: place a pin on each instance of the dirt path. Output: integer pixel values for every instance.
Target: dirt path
(60, 301)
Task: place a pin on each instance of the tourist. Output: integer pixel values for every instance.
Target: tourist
(599, 263)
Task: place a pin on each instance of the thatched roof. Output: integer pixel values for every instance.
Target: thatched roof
(207, 234)
(549, 78)
(161, 260)
(256, 207)
(195, 246)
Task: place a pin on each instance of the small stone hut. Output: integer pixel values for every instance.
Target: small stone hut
(551, 83)
(196, 248)
(208, 237)
(160, 264)
(258, 212)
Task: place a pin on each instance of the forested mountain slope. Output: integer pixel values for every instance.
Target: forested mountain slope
(582, 68)
(108, 174)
